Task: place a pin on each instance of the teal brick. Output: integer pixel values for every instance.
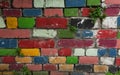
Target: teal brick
(72, 60)
(25, 22)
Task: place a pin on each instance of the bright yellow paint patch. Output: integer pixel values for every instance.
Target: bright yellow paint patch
(11, 22)
(30, 52)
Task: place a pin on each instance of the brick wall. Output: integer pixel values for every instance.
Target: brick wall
(36, 34)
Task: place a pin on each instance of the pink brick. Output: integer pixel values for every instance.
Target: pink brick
(49, 52)
(118, 43)
(12, 12)
(110, 2)
(53, 12)
(51, 22)
(88, 60)
(16, 33)
(22, 3)
(58, 73)
(68, 43)
(50, 67)
(34, 67)
(108, 43)
(112, 11)
(36, 43)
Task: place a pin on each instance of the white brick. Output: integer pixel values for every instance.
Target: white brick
(54, 3)
(118, 52)
(107, 60)
(91, 52)
(2, 23)
(44, 33)
(39, 3)
(110, 22)
(79, 52)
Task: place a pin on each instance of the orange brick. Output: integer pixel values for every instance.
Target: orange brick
(30, 52)
(8, 73)
(66, 67)
(57, 60)
(4, 67)
(100, 68)
(23, 59)
(11, 22)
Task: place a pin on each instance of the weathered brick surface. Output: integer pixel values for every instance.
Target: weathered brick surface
(23, 59)
(34, 67)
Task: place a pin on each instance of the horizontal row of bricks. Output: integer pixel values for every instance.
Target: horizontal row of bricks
(61, 60)
(47, 3)
(54, 67)
(66, 43)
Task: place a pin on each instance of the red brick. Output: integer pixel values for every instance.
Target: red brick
(88, 60)
(51, 22)
(4, 3)
(117, 62)
(12, 12)
(65, 52)
(109, 43)
(8, 59)
(58, 73)
(53, 12)
(36, 43)
(49, 52)
(75, 43)
(50, 67)
(22, 3)
(85, 11)
(16, 33)
(34, 67)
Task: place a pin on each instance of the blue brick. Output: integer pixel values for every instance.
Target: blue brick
(8, 43)
(41, 60)
(118, 21)
(87, 34)
(32, 12)
(102, 51)
(77, 73)
(112, 52)
(78, 33)
(75, 3)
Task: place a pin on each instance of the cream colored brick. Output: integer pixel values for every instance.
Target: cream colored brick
(66, 67)
(57, 60)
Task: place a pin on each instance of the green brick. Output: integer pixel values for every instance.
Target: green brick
(72, 60)
(41, 73)
(63, 33)
(93, 2)
(24, 22)
(71, 12)
(118, 35)
(8, 52)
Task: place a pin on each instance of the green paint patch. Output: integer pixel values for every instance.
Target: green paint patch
(70, 12)
(40, 73)
(72, 60)
(93, 2)
(118, 35)
(63, 33)
(8, 52)
(24, 22)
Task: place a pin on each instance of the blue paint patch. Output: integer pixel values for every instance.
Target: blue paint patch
(87, 34)
(41, 60)
(75, 3)
(112, 52)
(78, 33)
(102, 52)
(8, 43)
(32, 12)
(118, 21)
(77, 73)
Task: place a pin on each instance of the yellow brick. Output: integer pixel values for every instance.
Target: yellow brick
(4, 67)
(8, 73)
(30, 52)
(66, 67)
(11, 22)
(100, 68)
(57, 60)
(23, 59)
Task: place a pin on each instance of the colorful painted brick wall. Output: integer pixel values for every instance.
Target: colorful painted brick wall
(36, 38)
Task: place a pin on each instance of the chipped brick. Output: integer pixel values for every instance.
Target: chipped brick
(23, 59)
(30, 52)
(2, 23)
(107, 60)
(51, 22)
(57, 60)
(5, 4)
